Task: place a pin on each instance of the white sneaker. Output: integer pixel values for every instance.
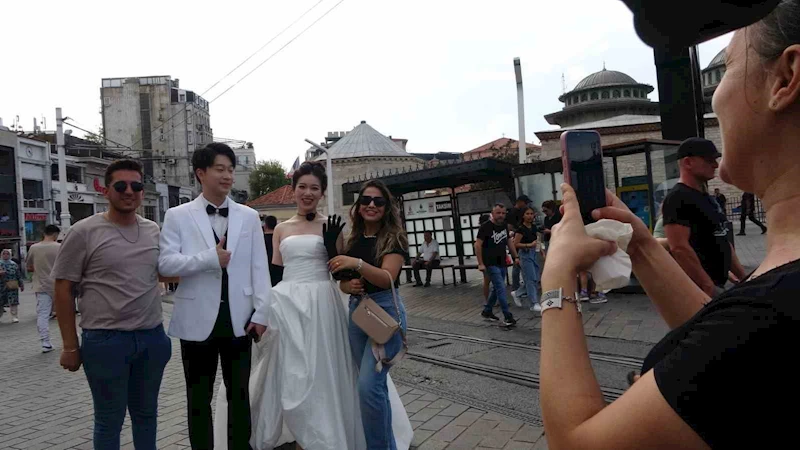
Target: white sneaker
(601, 298)
(14, 320)
(516, 299)
(536, 308)
(47, 348)
(584, 296)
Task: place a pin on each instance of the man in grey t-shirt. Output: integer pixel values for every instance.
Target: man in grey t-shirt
(40, 260)
(113, 257)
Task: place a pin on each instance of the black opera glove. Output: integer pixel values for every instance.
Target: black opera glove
(330, 234)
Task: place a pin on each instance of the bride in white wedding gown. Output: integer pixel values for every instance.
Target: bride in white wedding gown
(303, 379)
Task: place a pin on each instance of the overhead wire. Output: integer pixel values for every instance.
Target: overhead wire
(242, 63)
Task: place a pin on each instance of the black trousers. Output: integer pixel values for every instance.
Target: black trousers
(743, 219)
(200, 370)
(419, 264)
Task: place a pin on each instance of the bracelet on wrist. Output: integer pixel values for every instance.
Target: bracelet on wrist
(360, 264)
(64, 350)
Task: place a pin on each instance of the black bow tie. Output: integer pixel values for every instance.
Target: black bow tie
(211, 211)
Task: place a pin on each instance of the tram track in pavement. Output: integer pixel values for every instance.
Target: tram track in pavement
(634, 363)
(523, 378)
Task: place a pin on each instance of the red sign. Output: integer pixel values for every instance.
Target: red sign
(99, 187)
(36, 217)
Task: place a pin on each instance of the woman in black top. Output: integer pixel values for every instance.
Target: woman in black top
(716, 380)
(377, 244)
(525, 243)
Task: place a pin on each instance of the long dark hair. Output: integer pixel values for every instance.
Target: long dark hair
(391, 234)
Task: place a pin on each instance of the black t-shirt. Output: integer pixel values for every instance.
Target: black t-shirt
(709, 235)
(550, 222)
(528, 234)
(365, 249)
(514, 217)
(495, 242)
(724, 371)
(748, 203)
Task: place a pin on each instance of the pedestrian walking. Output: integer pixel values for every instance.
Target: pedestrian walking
(694, 223)
(41, 258)
(490, 249)
(12, 282)
(514, 221)
(748, 211)
(526, 243)
(113, 256)
(686, 397)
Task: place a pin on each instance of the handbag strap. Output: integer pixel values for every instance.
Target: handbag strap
(378, 350)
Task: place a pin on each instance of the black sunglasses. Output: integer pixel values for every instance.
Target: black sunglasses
(122, 186)
(365, 200)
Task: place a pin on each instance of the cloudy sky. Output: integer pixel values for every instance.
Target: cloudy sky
(436, 72)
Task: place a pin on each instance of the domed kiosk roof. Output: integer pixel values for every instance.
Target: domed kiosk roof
(364, 141)
(718, 60)
(604, 78)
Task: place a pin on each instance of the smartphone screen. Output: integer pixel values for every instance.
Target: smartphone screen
(582, 161)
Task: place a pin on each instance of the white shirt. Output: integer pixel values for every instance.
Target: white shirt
(427, 250)
(218, 223)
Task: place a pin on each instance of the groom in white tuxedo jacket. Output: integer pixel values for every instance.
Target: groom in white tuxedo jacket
(216, 247)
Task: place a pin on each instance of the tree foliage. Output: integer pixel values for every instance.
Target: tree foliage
(266, 177)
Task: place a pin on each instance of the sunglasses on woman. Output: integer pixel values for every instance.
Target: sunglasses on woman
(122, 186)
(365, 200)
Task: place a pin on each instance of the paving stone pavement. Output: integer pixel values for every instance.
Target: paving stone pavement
(42, 406)
(625, 316)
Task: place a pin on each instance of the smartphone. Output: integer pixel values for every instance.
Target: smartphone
(582, 162)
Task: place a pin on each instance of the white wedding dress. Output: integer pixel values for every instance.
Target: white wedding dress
(303, 379)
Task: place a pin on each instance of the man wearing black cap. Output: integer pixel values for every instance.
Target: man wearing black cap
(693, 221)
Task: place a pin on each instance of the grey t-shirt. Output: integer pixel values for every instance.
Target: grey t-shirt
(118, 279)
(42, 256)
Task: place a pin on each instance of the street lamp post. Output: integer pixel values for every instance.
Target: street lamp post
(520, 111)
(62, 171)
(329, 170)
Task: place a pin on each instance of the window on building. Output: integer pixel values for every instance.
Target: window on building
(182, 98)
(636, 93)
(616, 93)
(190, 137)
(33, 193)
(583, 97)
(716, 76)
(74, 174)
(626, 93)
(594, 96)
(106, 101)
(150, 213)
(605, 94)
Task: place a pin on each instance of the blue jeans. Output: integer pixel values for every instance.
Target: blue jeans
(498, 289)
(376, 411)
(124, 370)
(529, 260)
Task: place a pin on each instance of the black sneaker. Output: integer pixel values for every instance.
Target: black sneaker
(509, 321)
(427, 284)
(417, 284)
(489, 315)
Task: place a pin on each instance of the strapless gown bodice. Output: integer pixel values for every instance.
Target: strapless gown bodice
(305, 259)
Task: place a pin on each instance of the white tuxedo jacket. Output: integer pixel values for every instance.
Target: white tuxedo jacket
(188, 251)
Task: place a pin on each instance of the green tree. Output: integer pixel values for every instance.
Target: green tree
(96, 138)
(266, 177)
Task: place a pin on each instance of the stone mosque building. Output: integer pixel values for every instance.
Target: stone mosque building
(618, 108)
(362, 151)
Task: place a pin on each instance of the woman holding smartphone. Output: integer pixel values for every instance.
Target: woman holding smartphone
(704, 385)
(377, 244)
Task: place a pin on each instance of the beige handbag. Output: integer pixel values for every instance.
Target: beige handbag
(12, 285)
(380, 326)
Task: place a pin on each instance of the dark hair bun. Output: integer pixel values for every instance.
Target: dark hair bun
(311, 168)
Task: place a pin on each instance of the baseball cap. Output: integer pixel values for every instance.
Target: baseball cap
(524, 198)
(696, 146)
